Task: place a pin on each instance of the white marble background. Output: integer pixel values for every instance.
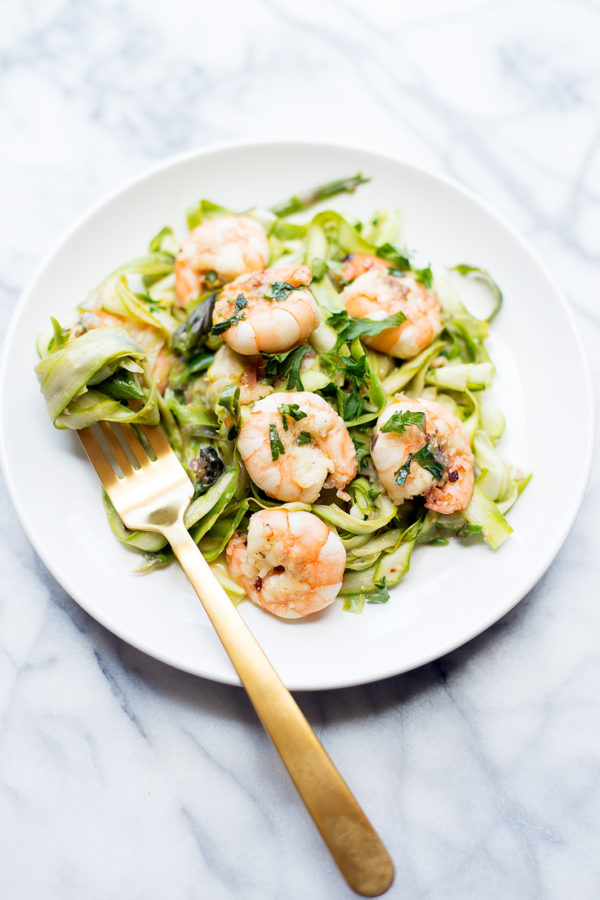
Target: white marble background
(123, 779)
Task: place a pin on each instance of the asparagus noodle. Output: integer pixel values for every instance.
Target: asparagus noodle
(93, 406)
(484, 276)
(116, 297)
(67, 373)
(151, 264)
(144, 541)
(300, 202)
(475, 376)
(215, 497)
(401, 376)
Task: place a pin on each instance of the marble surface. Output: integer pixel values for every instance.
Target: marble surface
(121, 778)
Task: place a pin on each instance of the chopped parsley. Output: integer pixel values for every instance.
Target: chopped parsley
(304, 438)
(378, 593)
(425, 458)
(281, 290)
(293, 411)
(400, 264)
(425, 276)
(398, 422)
(402, 473)
(277, 447)
(211, 277)
(280, 365)
(350, 402)
(349, 328)
(362, 452)
(396, 259)
(356, 373)
(352, 407)
(240, 304)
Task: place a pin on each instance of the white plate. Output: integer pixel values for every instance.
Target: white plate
(451, 594)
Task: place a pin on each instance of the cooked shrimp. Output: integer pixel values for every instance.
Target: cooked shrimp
(293, 444)
(456, 489)
(447, 484)
(291, 563)
(229, 367)
(271, 310)
(150, 340)
(375, 293)
(217, 251)
(358, 263)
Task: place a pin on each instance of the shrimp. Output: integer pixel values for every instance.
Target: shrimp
(375, 293)
(293, 444)
(456, 490)
(217, 251)
(149, 339)
(291, 563)
(229, 367)
(271, 310)
(442, 473)
(358, 263)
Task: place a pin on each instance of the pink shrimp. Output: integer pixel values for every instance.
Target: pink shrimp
(442, 434)
(216, 252)
(290, 563)
(375, 293)
(272, 310)
(293, 444)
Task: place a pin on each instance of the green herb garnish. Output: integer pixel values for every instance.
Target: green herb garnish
(398, 422)
(281, 290)
(349, 328)
(240, 304)
(211, 277)
(277, 447)
(304, 438)
(402, 473)
(362, 452)
(378, 593)
(280, 365)
(425, 458)
(293, 411)
(391, 254)
(425, 276)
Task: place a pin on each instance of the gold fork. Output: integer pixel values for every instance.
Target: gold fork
(152, 495)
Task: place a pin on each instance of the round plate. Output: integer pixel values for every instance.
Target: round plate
(452, 593)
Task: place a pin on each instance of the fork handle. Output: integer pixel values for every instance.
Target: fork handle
(359, 853)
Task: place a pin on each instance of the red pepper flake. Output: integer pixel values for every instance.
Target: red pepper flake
(278, 570)
(452, 476)
(258, 584)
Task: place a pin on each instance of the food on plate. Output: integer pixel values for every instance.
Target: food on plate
(290, 563)
(216, 252)
(382, 291)
(329, 396)
(420, 448)
(294, 444)
(267, 311)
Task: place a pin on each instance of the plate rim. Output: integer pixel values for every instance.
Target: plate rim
(536, 572)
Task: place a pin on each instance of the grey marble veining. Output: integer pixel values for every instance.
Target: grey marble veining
(121, 778)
